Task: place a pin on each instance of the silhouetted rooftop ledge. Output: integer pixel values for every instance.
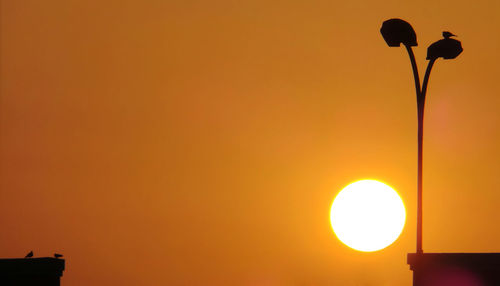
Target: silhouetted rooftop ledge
(465, 259)
(448, 268)
(41, 266)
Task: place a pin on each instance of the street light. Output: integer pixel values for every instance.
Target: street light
(395, 33)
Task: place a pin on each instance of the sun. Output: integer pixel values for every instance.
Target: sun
(367, 215)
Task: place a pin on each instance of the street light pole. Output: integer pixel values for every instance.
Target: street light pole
(395, 33)
(420, 110)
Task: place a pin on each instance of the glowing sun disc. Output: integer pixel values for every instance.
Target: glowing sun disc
(367, 215)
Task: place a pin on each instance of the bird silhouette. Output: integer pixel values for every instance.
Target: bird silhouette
(447, 35)
(30, 254)
(57, 255)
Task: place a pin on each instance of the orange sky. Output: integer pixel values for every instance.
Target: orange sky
(202, 142)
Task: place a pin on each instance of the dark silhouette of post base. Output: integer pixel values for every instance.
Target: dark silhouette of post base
(44, 271)
(455, 269)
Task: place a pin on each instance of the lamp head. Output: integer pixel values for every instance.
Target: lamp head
(445, 48)
(396, 32)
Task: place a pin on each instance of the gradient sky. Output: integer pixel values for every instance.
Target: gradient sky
(202, 142)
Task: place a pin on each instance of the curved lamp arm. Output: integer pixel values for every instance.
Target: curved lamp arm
(415, 70)
(426, 79)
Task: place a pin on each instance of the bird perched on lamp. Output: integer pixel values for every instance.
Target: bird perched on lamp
(447, 35)
(29, 255)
